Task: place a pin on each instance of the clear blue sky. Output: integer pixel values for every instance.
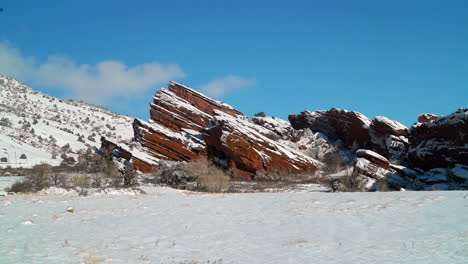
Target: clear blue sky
(393, 58)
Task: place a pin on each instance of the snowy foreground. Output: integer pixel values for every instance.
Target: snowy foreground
(171, 226)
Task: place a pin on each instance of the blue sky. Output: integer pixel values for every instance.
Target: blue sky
(393, 58)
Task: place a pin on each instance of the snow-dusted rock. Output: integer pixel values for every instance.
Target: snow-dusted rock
(441, 143)
(355, 130)
(437, 187)
(349, 126)
(27, 222)
(185, 124)
(373, 157)
(460, 172)
(384, 125)
(437, 175)
(426, 117)
(173, 133)
(244, 147)
(371, 167)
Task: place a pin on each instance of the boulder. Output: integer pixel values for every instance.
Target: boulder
(434, 176)
(426, 117)
(460, 173)
(370, 168)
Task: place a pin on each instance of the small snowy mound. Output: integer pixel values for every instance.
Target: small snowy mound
(27, 222)
(112, 191)
(57, 191)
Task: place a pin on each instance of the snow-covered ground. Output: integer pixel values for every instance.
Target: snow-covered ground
(171, 226)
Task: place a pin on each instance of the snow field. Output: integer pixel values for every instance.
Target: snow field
(171, 226)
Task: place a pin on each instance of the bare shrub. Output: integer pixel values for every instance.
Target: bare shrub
(36, 180)
(129, 175)
(82, 181)
(333, 163)
(20, 187)
(208, 177)
(348, 183)
(39, 177)
(172, 174)
(272, 175)
(382, 186)
(57, 178)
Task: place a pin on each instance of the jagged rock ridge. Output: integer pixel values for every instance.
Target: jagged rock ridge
(186, 125)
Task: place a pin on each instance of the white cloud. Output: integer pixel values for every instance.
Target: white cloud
(219, 87)
(93, 83)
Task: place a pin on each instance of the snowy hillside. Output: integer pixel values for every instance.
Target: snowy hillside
(35, 127)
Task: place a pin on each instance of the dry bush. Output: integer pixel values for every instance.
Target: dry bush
(20, 187)
(81, 181)
(36, 180)
(208, 177)
(333, 163)
(348, 183)
(39, 177)
(382, 186)
(129, 175)
(271, 175)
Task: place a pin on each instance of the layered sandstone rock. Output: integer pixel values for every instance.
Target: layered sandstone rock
(440, 143)
(241, 145)
(177, 117)
(187, 125)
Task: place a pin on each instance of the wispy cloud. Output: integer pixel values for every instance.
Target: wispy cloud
(97, 83)
(219, 87)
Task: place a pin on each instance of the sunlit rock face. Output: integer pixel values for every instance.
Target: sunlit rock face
(243, 146)
(187, 125)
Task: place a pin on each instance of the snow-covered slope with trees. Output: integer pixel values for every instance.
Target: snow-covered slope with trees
(36, 127)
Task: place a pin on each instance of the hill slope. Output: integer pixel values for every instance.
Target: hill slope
(36, 127)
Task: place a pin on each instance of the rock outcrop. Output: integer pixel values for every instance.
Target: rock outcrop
(440, 143)
(177, 117)
(372, 169)
(187, 125)
(426, 117)
(355, 130)
(349, 126)
(241, 145)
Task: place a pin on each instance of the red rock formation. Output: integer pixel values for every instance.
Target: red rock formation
(371, 168)
(441, 143)
(237, 143)
(178, 116)
(349, 126)
(385, 126)
(382, 135)
(426, 117)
